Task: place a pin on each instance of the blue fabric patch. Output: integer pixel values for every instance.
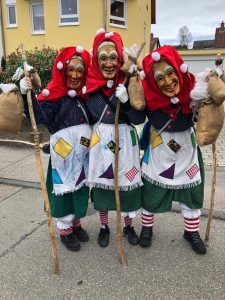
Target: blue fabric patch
(144, 140)
(146, 156)
(55, 177)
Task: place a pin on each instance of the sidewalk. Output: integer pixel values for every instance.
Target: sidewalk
(167, 270)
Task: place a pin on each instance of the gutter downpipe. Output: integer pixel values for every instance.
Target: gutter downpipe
(2, 32)
(105, 15)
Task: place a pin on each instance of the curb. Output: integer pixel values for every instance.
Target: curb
(217, 214)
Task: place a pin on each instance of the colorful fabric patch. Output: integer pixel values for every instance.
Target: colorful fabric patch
(94, 139)
(174, 146)
(192, 171)
(112, 146)
(84, 141)
(193, 139)
(131, 174)
(133, 138)
(108, 173)
(146, 156)
(81, 177)
(55, 177)
(62, 148)
(156, 139)
(169, 173)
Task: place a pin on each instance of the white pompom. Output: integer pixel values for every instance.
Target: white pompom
(79, 49)
(108, 34)
(183, 68)
(100, 30)
(84, 89)
(72, 93)
(91, 52)
(110, 83)
(60, 65)
(142, 74)
(174, 100)
(156, 56)
(45, 92)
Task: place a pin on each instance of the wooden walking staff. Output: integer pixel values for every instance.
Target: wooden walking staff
(122, 257)
(40, 170)
(213, 190)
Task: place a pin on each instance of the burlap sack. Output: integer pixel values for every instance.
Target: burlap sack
(210, 122)
(11, 111)
(223, 76)
(136, 93)
(216, 88)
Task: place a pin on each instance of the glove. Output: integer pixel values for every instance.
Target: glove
(219, 71)
(25, 85)
(121, 93)
(132, 51)
(132, 69)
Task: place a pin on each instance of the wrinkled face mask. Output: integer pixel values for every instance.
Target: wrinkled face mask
(166, 79)
(108, 59)
(75, 72)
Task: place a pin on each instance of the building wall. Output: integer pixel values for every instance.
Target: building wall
(199, 60)
(91, 18)
(138, 24)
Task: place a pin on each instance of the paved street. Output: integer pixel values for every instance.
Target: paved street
(168, 270)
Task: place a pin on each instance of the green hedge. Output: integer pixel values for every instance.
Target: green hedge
(41, 59)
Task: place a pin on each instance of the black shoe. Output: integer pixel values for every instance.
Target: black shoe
(131, 235)
(81, 235)
(103, 237)
(196, 242)
(145, 239)
(70, 241)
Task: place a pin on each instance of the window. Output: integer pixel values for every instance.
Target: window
(118, 13)
(68, 12)
(37, 17)
(11, 13)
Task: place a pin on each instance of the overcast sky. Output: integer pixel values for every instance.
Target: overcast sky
(200, 16)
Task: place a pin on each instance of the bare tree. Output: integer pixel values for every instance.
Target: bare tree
(185, 36)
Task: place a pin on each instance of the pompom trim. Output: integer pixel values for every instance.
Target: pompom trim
(72, 93)
(156, 56)
(174, 100)
(84, 89)
(59, 65)
(100, 30)
(108, 34)
(79, 49)
(183, 68)
(110, 83)
(45, 92)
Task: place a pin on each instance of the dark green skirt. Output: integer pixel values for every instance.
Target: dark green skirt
(71, 203)
(104, 200)
(156, 199)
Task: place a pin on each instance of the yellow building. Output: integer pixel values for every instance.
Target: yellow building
(61, 23)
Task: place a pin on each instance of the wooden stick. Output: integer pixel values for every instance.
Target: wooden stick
(122, 258)
(40, 171)
(213, 189)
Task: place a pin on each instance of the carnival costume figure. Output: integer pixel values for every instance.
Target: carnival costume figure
(172, 167)
(61, 108)
(104, 88)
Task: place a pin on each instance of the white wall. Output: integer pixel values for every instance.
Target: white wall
(199, 63)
